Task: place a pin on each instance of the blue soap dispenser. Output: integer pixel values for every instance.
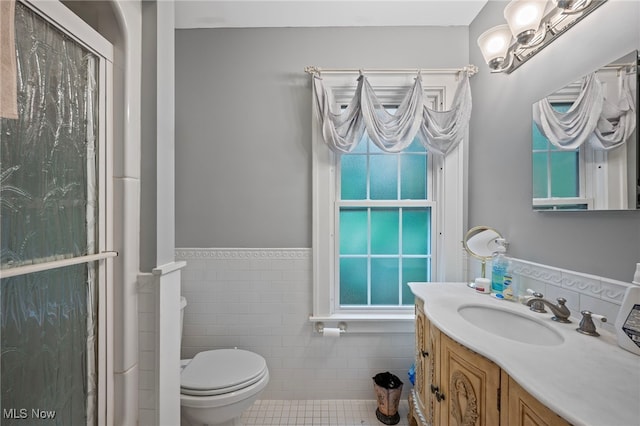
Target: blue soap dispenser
(500, 273)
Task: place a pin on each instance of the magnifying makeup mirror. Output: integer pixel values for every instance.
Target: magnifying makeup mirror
(481, 242)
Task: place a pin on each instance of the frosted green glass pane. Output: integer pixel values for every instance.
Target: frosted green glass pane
(416, 227)
(564, 174)
(539, 141)
(48, 165)
(44, 344)
(413, 177)
(353, 175)
(384, 281)
(540, 175)
(47, 168)
(353, 281)
(384, 177)
(361, 147)
(373, 148)
(353, 231)
(414, 270)
(415, 146)
(384, 231)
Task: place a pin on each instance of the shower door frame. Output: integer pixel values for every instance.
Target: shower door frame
(58, 15)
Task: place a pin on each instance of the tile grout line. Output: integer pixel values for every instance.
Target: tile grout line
(317, 413)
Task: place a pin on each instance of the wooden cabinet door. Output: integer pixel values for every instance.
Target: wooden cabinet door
(470, 384)
(432, 374)
(422, 356)
(520, 408)
(427, 369)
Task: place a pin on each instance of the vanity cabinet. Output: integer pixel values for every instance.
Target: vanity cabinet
(455, 386)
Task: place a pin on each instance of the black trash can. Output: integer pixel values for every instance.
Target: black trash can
(388, 388)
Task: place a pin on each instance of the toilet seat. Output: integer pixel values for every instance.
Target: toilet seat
(221, 371)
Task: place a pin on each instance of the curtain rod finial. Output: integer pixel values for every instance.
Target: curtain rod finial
(312, 69)
(470, 69)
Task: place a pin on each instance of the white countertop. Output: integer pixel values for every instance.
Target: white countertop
(586, 380)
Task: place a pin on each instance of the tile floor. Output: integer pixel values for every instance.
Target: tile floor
(318, 413)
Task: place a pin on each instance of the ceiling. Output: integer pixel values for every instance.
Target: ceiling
(324, 13)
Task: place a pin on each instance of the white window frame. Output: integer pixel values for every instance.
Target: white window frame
(58, 15)
(448, 194)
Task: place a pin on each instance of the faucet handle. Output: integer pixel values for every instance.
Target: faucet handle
(587, 326)
(535, 293)
(536, 306)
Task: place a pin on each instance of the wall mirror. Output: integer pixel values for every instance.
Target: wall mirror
(585, 152)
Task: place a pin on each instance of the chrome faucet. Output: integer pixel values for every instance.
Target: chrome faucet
(560, 311)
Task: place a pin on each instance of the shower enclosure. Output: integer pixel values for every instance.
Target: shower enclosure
(54, 167)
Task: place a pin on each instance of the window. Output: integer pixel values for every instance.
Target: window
(558, 175)
(383, 220)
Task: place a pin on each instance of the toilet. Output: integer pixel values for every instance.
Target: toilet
(217, 386)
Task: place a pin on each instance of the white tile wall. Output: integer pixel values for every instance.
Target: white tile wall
(147, 383)
(260, 300)
(599, 295)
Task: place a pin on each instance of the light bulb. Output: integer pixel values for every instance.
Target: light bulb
(524, 17)
(494, 45)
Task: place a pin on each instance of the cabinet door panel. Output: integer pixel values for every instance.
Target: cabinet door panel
(433, 374)
(470, 384)
(524, 410)
(422, 354)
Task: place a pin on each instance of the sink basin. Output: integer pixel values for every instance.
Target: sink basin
(510, 325)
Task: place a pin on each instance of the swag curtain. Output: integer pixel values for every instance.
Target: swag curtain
(591, 118)
(438, 131)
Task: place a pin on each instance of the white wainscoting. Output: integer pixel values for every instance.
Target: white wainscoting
(260, 300)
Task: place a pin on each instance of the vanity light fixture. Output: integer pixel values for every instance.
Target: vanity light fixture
(531, 25)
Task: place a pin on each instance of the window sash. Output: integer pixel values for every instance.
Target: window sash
(369, 255)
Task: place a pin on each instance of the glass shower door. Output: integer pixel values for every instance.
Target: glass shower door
(49, 165)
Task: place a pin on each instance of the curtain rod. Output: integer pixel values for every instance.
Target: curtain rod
(470, 69)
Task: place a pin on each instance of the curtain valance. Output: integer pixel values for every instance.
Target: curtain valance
(604, 124)
(438, 131)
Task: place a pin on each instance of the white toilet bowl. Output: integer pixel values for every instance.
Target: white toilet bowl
(217, 386)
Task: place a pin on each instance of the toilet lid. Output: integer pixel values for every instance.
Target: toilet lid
(221, 370)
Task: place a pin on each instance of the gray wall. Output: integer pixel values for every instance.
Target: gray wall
(157, 212)
(243, 122)
(148, 139)
(243, 125)
(600, 243)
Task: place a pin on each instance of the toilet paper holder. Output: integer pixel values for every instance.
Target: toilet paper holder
(342, 326)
